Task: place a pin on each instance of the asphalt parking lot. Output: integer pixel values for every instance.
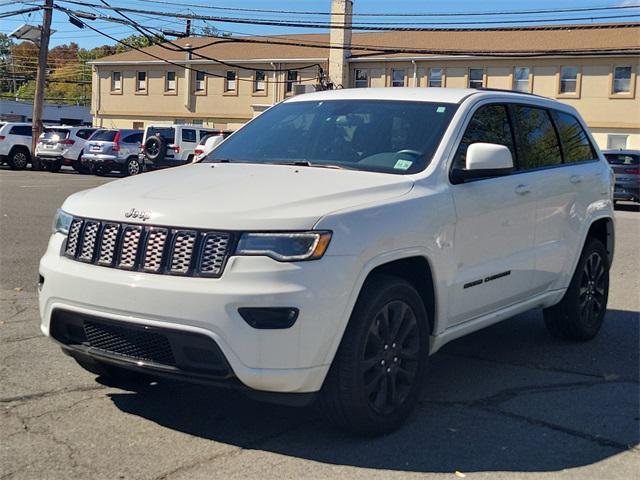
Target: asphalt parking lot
(508, 402)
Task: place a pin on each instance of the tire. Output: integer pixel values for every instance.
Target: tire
(373, 362)
(155, 148)
(55, 166)
(132, 167)
(580, 313)
(19, 158)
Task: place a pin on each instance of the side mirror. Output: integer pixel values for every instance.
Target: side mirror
(484, 160)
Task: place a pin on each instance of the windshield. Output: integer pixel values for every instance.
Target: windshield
(168, 133)
(372, 135)
(104, 135)
(55, 134)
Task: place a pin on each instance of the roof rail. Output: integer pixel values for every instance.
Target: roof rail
(505, 90)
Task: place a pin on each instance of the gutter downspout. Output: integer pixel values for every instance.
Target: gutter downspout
(274, 94)
(187, 77)
(415, 73)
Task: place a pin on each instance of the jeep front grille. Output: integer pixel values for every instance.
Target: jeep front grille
(148, 248)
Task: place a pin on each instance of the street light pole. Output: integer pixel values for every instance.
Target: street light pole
(38, 97)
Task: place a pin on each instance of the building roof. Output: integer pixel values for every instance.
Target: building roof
(569, 40)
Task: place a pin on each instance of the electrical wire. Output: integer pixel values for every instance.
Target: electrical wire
(326, 25)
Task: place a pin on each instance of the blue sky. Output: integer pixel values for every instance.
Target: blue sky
(66, 32)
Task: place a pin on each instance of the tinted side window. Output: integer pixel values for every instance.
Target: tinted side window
(538, 139)
(575, 143)
(489, 124)
(86, 133)
(188, 135)
(24, 130)
(133, 138)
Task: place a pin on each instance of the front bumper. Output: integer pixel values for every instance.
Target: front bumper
(295, 359)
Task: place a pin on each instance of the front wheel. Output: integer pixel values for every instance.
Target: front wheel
(377, 375)
(580, 313)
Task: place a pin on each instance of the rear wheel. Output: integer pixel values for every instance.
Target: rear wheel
(19, 158)
(377, 375)
(133, 167)
(580, 314)
(55, 166)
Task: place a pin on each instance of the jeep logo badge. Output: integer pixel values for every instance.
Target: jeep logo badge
(139, 214)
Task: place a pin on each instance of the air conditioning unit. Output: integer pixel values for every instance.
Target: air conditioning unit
(299, 89)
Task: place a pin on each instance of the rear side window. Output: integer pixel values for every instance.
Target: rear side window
(489, 124)
(575, 143)
(168, 133)
(104, 135)
(188, 135)
(538, 139)
(24, 130)
(55, 133)
(206, 133)
(133, 138)
(85, 133)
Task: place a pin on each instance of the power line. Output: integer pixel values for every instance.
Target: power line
(387, 14)
(169, 62)
(19, 12)
(328, 25)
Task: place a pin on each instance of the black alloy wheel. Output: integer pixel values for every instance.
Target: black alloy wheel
(580, 313)
(390, 362)
(379, 370)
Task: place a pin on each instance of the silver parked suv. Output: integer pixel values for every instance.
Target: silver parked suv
(58, 146)
(109, 150)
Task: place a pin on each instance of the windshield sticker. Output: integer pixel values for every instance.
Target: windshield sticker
(403, 164)
(441, 109)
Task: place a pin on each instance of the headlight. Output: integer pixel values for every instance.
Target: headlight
(285, 247)
(62, 222)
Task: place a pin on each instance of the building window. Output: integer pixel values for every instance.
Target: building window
(292, 78)
(230, 81)
(476, 77)
(116, 81)
(521, 79)
(397, 77)
(568, 80)
(259, 81)
(141, 82)
(622, 79)
(170, 85)
(200, 81)
(435, 77)
(138, 125)
(617, 141)
(361, 78)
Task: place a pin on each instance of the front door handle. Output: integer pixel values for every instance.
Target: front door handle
(575, 179)
(523, 189)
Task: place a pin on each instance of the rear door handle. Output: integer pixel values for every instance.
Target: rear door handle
(523, 189)
(575, 178)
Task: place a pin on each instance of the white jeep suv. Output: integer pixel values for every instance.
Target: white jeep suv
(332, 244)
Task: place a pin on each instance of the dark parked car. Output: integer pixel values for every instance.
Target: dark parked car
(626, 166)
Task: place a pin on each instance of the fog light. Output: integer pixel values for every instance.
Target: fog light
(269, 317)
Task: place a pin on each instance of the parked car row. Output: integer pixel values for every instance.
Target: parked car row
(101, 151)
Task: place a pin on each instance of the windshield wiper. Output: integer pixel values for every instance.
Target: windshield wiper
(307, 163)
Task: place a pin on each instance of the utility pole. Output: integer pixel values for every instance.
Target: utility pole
(38, 97)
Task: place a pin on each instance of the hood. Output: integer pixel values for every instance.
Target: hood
(234, 196)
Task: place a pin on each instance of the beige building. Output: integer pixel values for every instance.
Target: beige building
(593, 67)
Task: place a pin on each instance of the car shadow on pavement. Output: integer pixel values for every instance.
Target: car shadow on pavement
(507, 398)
